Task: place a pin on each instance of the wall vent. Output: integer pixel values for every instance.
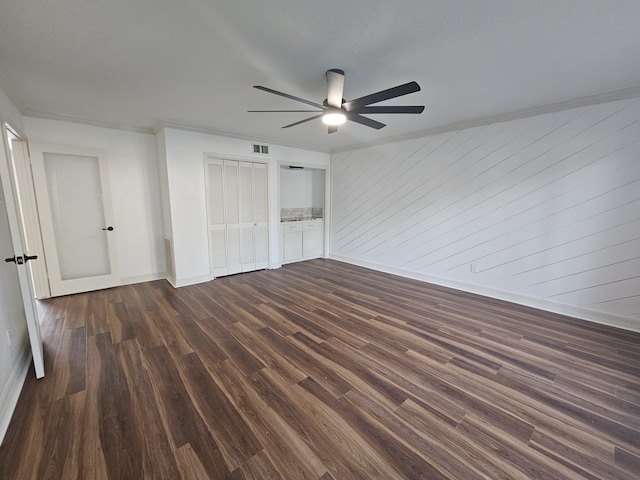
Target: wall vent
(260, 149)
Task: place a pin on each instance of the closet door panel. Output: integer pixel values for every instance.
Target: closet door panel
(216, 221)
(260, 192)
(234, 249)
(261, 246)
(237, 216)
(261, 231)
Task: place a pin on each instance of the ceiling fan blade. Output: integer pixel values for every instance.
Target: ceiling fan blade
(286, 95)
(389, 109)
(335, 87)
(333, 128)
(274, 111)
(382, 95)
(302, 121)
(365, 121)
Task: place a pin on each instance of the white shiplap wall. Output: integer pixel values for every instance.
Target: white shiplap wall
(547, 207)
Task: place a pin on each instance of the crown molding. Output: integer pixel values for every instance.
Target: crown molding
(10, 94)
(615, 95)
(241, 136)
(83, 121)
(622, 94)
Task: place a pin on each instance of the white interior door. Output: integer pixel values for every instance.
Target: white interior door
(234, 227)
(247, 223)
(17, 304)
(237, 216)
(72, 189)
(261, 232)
(29, 215)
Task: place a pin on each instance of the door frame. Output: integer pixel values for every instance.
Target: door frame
(57, 285)
(16, 230)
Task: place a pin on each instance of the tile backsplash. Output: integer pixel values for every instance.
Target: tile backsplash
(294, 214)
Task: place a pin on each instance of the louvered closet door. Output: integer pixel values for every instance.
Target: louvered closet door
(216, 218)
(234, 227)
(237, 216)
(246, 216)
(261, 230)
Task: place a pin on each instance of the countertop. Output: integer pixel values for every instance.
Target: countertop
(302, 219)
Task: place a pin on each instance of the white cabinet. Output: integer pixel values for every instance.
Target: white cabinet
(312, 239)
(237, 216)
(291, 241)
(302, 240)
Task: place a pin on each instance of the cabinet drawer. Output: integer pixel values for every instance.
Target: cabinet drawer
(292, 227)
(310, 225)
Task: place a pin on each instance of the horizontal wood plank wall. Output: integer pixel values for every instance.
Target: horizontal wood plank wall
(546, 207)
(323, 370)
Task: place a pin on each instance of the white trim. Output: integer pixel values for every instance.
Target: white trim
(539, 303)
(150, 277)
(11, 393)
(185, 282)
(241, 136)
(85, 121)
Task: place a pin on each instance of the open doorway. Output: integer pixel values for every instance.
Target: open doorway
(303, 212)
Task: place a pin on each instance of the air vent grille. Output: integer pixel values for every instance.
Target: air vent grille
(260, 149)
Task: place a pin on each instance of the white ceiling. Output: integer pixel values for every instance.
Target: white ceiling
(136, 63)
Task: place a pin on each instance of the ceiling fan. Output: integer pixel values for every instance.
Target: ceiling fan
(335, 110)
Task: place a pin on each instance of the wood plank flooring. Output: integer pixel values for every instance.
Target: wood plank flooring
(322, 370)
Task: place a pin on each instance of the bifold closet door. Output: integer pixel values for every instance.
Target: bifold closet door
(237, 216)
(253, 215)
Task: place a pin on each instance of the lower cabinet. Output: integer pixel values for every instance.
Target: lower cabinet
(302, 240)
(292, 241)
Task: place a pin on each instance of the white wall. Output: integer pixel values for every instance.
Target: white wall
(185, 153)
(135, 190)
(301, 188)
(547, 207)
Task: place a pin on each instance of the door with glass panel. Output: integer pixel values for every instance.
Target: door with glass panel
(74, 201)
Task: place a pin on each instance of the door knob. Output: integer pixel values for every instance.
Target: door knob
(29, 257)
(19, 260)
(109, 228)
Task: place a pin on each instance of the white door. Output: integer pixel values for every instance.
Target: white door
(247, 224)
(17, 304)
(237, 216)
(232, 209)
(29, 215)
(261, 231)
(72, 189)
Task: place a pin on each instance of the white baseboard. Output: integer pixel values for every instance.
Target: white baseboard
(184, 282)
(539, 303)
(11, 392)
(143, 278)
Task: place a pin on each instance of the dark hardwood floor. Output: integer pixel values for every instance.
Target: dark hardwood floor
(322, 370)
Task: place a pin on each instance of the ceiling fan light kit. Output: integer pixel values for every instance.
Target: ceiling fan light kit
(335, 110)
(333, 117)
